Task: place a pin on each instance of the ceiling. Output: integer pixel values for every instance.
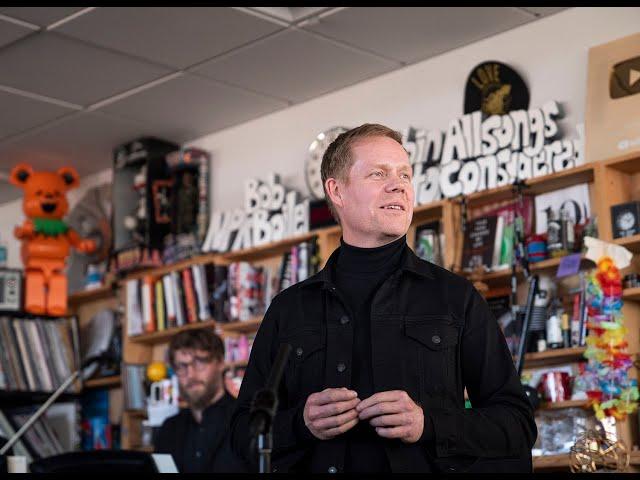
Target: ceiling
(76, 82)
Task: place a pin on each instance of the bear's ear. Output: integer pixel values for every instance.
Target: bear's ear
(20, 174)
(69, 176)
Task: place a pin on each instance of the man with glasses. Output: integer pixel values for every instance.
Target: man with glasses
(197, 436)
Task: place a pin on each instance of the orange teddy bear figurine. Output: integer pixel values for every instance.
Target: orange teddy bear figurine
(45, 237)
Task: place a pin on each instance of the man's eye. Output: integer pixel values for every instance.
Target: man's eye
(377, 174)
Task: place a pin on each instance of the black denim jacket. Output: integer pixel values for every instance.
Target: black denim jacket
(432, 335)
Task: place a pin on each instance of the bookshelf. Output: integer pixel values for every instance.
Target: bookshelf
(565, 404)
(632, 243)
(608, 181)
(553, 357)
(165, 335)
(104, 382)
(631, 294)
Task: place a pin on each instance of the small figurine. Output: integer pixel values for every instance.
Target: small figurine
(135, 222)
(46, 238)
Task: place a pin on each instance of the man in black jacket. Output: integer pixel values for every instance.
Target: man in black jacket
(384, 344)
(197, 437)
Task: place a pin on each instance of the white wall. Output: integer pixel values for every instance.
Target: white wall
(551, 55)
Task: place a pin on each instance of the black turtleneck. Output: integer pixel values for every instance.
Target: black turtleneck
(359, 272)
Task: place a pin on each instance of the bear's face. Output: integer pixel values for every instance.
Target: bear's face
(45, 193)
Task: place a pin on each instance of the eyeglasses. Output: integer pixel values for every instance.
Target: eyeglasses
(199, 364)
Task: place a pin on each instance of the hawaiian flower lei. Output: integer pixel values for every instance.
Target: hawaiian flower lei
(611, 392)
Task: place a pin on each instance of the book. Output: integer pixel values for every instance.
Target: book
(178, 298)
(148, 310)
(169, 301)
(135, 323)
(479, 243)
(497, 244)
(427, 243)
(159, 305)
(191, 304)
(200, 284)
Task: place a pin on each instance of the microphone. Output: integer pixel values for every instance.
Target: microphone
(265, 401)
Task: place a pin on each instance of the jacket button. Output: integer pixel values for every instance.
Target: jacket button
(299, 351)
(435, 339)
(332, 470)
(344, 320)
(341, 367)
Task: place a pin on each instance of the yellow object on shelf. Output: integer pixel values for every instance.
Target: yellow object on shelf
(156, 371)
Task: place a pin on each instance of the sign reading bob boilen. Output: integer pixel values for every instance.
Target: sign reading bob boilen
(495, 89)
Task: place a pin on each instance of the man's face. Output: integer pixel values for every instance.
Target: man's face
(199, 376)
(376, 204)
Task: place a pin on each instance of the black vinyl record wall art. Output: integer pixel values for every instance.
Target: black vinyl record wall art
(495, 89)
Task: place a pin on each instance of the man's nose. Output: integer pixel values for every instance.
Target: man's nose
(396, 185)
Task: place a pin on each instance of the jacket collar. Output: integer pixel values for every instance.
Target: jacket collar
(409, 263)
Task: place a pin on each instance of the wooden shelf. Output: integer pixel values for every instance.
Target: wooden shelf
(250, 326)
(92, 295)
(143, 448)
(566, 404)
(564, 461)
(239, 363)
(428, 211)
(157, 271)
(106, 382)
(503, 276)
(629, 163)
(164, 335)
(632, 294)
(537, 185)
(552, 461)
(631, 243)
(267, 250)
(554, 357)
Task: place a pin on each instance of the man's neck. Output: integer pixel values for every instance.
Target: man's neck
(197, 412)
(372, 241)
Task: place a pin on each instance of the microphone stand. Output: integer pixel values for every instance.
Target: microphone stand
(519, 255)
(54, 396)
(263, 410)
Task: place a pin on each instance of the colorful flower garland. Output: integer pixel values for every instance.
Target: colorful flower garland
(610, 390)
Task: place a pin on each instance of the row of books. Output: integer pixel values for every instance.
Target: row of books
(237, 292)
(155, 303)
(53, 433)
(37, 355)
(237, 349)
(251, 288)
(488, 239)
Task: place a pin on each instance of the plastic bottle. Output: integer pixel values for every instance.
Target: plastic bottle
(4, 253)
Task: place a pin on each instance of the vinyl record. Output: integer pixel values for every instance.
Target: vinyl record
(98, 338)
(495, 89)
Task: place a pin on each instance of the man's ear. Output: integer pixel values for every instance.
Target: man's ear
(333, 189)
(20, 174)
(69, 176)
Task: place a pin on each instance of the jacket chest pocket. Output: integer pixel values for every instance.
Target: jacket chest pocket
(305, 373)
(431, 342)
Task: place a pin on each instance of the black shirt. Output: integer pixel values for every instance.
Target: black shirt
(200, 447)
(358, 274)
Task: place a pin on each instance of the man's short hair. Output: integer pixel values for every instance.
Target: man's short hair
(197, 339)
(338, 159)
